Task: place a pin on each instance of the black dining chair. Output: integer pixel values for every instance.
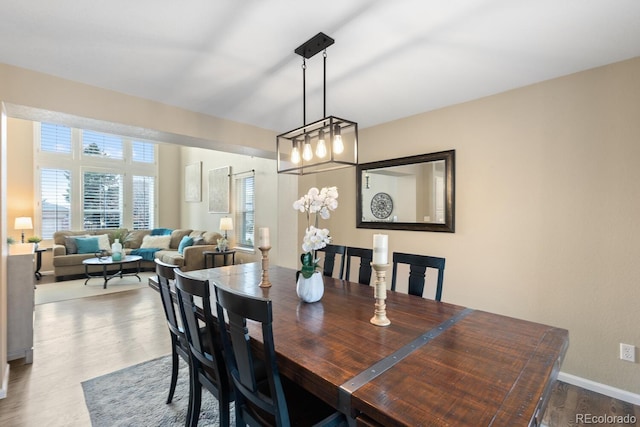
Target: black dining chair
(364, 270)
(418, 265)
(263, 396)
(179, 344)
(330, 253)
(208, 369)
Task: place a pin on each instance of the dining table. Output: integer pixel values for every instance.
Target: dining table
(435, 364)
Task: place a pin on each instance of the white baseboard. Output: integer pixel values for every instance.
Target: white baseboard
(607, 390)
(5, 383)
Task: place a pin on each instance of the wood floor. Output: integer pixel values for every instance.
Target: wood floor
(84, 338)
(76, 340)
(569, 405)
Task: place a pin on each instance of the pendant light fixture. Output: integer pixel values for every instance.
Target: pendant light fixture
(327, 144)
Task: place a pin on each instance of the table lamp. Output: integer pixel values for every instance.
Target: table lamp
(23, 223)
(226, 224)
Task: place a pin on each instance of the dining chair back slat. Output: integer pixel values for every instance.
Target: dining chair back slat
(330, 253)
(418, 265)
(364, 269)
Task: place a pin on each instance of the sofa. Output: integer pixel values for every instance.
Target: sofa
(163, 244)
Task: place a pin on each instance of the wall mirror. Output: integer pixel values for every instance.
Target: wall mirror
(410, 193)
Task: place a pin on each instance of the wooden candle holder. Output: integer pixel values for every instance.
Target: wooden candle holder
(380, 293)
(265, 283)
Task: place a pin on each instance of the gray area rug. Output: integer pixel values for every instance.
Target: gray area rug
(136, 396)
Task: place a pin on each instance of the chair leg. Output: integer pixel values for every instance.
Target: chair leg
(223, 402)
(195, 405)
(189, 407)
(174, 371)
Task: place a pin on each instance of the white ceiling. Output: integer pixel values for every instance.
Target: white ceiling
(392, 58)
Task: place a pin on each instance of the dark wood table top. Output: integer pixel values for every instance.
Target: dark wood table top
(436, 364)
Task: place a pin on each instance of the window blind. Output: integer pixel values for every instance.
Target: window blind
(143, 202)
(55, 138)
(102, 200)
(102, 145)
(245, 211)
(143, 152)
(55, 201)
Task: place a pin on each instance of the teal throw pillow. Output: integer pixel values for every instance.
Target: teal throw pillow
(161, 231)
(186, 241)
(87, 245)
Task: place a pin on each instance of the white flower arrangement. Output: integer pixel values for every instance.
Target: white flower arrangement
(318, 203)
(315, 238)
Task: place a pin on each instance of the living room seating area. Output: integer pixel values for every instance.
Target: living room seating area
(181, 247)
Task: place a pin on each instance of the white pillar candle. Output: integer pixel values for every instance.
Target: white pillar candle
(263, 237)
(380, 248)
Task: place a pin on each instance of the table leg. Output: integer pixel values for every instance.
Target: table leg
(137, 270)
(104, 272)
(38, 265)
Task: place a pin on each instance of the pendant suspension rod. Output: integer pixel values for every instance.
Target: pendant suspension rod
(304, 92)
(324, 85)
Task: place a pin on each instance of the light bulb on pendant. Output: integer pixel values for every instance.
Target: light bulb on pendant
(295, 153)
(338, 146)
(321, 148)
(307, 152)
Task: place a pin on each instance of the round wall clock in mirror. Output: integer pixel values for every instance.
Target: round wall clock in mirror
(381, 205)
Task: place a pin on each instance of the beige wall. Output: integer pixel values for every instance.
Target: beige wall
(20, 192)
(169, 186)
(547, 209)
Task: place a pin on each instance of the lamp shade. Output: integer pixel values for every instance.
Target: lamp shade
(226, 224)
(23, 223)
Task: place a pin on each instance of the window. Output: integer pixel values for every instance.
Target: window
(143, 202)
(55, 200)
(245, 207)
(143, 152)
(91, 180)
(55, 138)
(102, 200)
(102, 145)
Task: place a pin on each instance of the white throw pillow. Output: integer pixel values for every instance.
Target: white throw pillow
(103, 242)
(161, 242)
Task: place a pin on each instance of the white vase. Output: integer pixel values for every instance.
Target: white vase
(311, 289)
(116, 250)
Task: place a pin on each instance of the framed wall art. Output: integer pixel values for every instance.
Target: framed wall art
(219, 189)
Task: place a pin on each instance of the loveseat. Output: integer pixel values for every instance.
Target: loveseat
(163, 244)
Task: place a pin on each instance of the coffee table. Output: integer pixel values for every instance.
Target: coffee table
(105, 262)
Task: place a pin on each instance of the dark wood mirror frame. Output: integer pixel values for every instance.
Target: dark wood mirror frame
(448, 226)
